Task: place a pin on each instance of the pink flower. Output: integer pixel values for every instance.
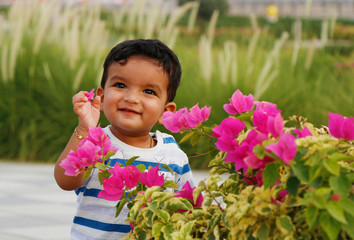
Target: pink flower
(341, 127)
(266, 106)
(256, 180)
(187, 192)
(152, 178)
(285, 149)
(280, 198)
(303, 133)
(227, 132)
(197, 115)
(182, 119)
(275, 125)
(98, 137)
(90, 95)
(112, 189)
(239, 103)
(72, 164)
(129, 175)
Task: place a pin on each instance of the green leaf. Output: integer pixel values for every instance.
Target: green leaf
(104, 174)
(167, 231)
(349, 227)
(315, 172)
(336, 211)
(194, 139)
(170, 184)
(186, 137)
(348, 205)
(108, 155)
(141, 167)
(270, 174)
(165, 166)
(120, 206)
(101, 166)
(340, 184)
(131, 160)
(187, 228)
(245, 116)
(311, 215)
(263, 232)
(330, 226)
(332, 166)
(284, 224)
(87, 173)
(153, 206)
(292, 185)
(301, 170)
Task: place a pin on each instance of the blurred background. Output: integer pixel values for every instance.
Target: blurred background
(295, 53)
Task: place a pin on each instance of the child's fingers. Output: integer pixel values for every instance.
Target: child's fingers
(96, 102)
(79, 97)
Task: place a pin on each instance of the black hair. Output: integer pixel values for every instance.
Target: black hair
(150, 48)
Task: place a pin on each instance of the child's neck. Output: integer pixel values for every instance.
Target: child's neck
(143, 141)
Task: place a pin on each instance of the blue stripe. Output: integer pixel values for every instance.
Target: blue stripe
(169, 140)
(176, 168)
(108, 227)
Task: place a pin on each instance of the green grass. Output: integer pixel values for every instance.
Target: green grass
(37, 84)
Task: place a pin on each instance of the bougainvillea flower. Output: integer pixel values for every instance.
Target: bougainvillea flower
(90, 95)
(275, 125)
(72, 164)
(88, 153)
(112, 188)
(266, 106)
(341, 127)
(237, 156)
(280, 197)
(239, 103)
(129, 175)
(152, 178)
(197, 115)
(256, 180)
(302, 133)
(187, 192)
(97, 136)
(254, 162)
(285, 149)
(174, 121)
(227, 132)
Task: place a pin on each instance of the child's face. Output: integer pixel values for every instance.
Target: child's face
(135, 96)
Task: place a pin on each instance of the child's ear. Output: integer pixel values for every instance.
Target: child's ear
(100, 92)
(170, 106)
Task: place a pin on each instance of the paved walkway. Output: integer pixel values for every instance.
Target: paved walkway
(33, 207)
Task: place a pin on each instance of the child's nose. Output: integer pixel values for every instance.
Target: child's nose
(131, 97)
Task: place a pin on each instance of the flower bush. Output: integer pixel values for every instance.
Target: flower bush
(268, 178)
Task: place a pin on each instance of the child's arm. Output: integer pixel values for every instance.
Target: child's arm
(88, 115)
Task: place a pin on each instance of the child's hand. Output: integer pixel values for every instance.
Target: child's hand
(87, 111)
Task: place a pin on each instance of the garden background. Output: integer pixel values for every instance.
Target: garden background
(50, 51)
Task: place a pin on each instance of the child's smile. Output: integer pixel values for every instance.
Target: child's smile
(135, 96)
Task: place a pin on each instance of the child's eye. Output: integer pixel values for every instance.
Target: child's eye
(119, 85)
(149, 91)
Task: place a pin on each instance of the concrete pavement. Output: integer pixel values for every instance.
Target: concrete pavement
(33, 207)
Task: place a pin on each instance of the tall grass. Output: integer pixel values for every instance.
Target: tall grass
(48, 53)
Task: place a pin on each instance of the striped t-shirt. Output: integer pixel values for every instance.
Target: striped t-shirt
(95, 217)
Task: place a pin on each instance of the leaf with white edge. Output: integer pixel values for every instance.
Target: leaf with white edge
(131, 160)
(196, 192)
(336, 211)
(167, 231)
(186, 137)
(149, 191)
(156, 229)
(153, 206)
(329, 225)
(187, 228)
(270, 174)
(163, 215)
(285, 225)
(170, 184)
